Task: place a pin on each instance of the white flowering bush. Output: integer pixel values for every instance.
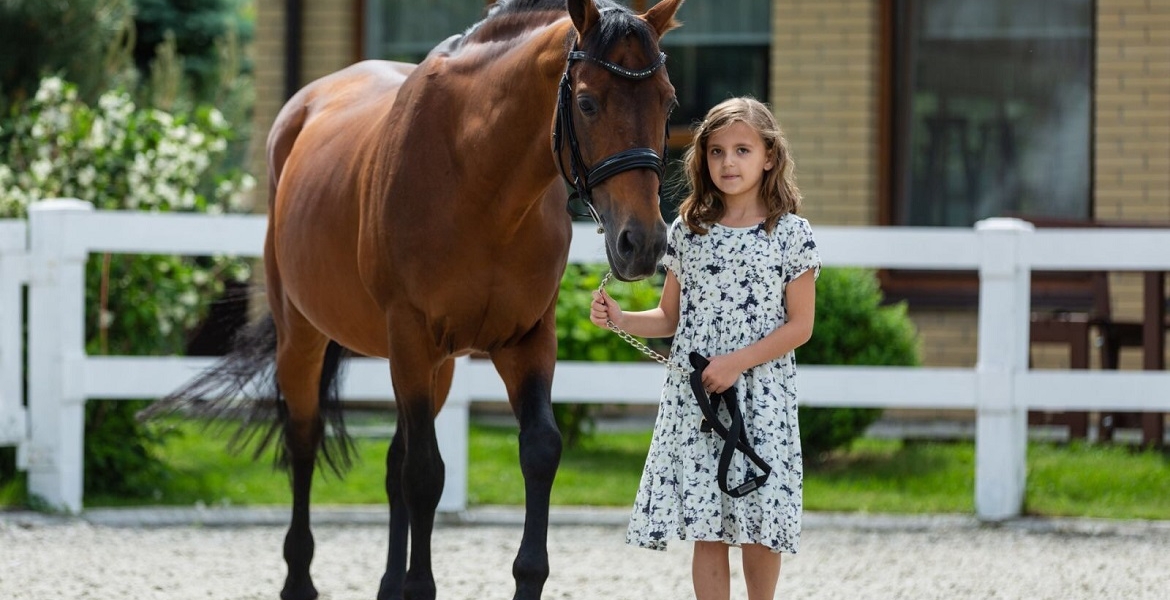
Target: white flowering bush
(118, 155)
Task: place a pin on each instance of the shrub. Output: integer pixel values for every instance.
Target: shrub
(120, 156)
(852, 328)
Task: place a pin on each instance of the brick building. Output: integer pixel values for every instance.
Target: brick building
(900, 112)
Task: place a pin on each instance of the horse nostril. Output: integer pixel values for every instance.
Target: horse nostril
(629, 241)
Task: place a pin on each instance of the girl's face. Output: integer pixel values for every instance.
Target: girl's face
(737, 160)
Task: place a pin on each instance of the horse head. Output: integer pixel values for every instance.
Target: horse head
(610, 135)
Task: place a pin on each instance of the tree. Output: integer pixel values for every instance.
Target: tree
(64, 37)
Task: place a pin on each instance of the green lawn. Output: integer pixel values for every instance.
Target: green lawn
(878, 476)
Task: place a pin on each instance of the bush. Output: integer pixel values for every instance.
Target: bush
(852, 328)
(120, 156)
(579, 339)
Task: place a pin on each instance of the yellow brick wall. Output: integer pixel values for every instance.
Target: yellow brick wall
(268, 60)
(328, 43)
(329, 37)
(1132, 141)
(825, 87)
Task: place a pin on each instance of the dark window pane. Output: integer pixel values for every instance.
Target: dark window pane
(406, 30)
(992, 110)
(704, 76)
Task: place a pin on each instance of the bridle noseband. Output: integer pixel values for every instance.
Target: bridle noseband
(582, 178)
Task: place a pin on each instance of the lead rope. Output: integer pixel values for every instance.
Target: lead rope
(631, 340)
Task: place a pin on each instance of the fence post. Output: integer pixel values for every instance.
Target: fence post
(451, 429)
(1001, 428)
(13, 274)
(56, 355)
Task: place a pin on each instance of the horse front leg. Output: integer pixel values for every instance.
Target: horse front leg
(395, 576)
(394, 580)
(416, 369)
(527, 372)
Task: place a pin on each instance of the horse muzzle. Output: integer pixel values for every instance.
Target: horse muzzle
(635, 249)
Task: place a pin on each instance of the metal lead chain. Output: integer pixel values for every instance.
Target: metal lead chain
(631, 340)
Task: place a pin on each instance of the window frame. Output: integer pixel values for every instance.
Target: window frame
(949, 289)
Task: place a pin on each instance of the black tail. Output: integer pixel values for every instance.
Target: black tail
(241, 389)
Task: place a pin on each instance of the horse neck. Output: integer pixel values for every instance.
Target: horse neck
(510, 125)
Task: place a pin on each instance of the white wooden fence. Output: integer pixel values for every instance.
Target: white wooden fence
(1000, 388)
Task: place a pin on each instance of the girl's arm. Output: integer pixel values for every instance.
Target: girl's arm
(801, 296)
(656, 322)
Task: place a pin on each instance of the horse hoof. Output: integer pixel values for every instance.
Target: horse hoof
(419, 591)
(529, 591)
(300, 592)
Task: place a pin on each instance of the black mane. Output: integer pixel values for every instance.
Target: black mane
(506, 18)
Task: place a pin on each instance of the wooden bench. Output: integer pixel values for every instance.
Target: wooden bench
(1070, 307)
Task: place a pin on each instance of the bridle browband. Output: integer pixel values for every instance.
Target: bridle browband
(582, 178)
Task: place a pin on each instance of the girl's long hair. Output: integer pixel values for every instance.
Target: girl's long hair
(704, 205)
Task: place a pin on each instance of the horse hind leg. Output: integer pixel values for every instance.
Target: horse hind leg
(306, 368)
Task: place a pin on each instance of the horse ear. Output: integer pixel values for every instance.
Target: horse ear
(584, 14)
(661, 16)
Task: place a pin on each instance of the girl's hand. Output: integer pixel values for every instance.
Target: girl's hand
(721, 374)
(604, 308)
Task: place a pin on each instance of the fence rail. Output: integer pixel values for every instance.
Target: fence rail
(48, 255)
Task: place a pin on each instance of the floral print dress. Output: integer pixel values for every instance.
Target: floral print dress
(732, 294)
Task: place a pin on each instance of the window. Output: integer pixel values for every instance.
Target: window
(722, 50)
(406, 30)
(992, 110)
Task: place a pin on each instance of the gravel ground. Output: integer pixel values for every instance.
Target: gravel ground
(235, 554)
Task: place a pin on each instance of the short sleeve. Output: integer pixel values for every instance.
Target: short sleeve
(802, 253)
(674, 243)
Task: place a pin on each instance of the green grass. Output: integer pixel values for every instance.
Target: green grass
(1098, 481)
(877, 476)
(601, 471)
(884, 476)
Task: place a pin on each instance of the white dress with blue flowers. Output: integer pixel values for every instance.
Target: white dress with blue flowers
(732, 294)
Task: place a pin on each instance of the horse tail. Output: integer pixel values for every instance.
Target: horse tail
(240, 390)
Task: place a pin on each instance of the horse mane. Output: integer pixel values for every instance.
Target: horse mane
(507, 19)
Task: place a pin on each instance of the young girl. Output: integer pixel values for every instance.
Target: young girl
(740, 290)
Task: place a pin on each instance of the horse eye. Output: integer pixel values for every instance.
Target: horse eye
(587, 105)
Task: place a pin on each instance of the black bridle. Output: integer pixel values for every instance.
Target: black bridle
(582, 178)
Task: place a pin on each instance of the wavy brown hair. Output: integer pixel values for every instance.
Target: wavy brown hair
(703, 204)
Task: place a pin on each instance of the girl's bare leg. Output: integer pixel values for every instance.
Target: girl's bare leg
(761, 571)
(710, 571)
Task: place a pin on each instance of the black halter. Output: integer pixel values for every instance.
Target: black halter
(582, 178)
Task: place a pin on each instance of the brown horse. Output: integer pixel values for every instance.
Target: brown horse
(417, 213)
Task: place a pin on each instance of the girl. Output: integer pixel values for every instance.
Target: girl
(740, 290)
